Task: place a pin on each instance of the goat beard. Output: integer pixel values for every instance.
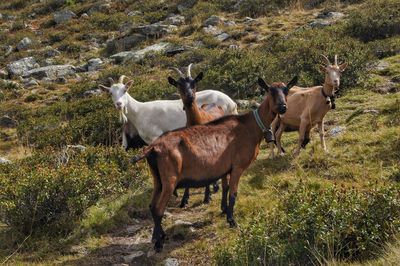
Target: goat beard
(122, 115)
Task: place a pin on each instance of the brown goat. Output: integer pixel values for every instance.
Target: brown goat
(194, 115)
(199, 155)
(308, 107)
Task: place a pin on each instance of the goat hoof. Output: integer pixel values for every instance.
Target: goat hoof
(158, 246)
(207, 200)
(232, 223)
(215, 188)
(183, 204)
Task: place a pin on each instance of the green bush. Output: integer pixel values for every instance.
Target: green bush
(312, 224)
(107, 22)
(45, 194)
(378, 20)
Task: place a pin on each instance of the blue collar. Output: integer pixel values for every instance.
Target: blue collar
(263, 128)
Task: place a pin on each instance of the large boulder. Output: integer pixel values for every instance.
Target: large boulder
(63, 16)
(20, 67)
(52, 72)
(138, 55)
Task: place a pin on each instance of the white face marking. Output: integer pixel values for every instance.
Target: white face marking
(333, 76)
(118, 95)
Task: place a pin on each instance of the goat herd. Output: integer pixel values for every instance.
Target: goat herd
(201, 139)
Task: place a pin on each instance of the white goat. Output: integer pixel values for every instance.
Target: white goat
(151, 119)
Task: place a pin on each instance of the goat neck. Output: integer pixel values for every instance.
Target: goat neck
(132, 107)
(266, 116)
(193, 114)
(328, 89)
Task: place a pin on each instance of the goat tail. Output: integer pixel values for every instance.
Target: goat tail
(146, 152)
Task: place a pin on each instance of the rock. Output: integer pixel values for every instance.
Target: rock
(330, 15)
(156, 30)
(371, 111)
(186, 5)
(8, 50)
(133, 229)
(134, 13)
(171, 262)
(395, 79)
(139, 55)
(51, 72)
(124, 43)
(63, 16)
(20, 67)
(24, 44)
(51, 52)
(229, 23)
(137, 254)
(6, 121)
(382, 65)
(387, 87)
(77, 147)
(49, 62)
(4, 161)
(223, 36)
(213, 21)
(233, 46)
(94, 64)
(3, 74)
(336, 131)
(85, 16)
(61, 80)
(93, 92)
(176, 20)
(182, 223)
(320, 24)
(102, 6)
(212, 30)
(181, 229)
(30, 83)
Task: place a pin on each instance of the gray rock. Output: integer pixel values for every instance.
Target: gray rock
(124, 43)
(4, 161)
(320, 24)
(387, 87)
(102, 6)
(395, 79)
(51, 52)
(156, 30)
(212, 30)
(182, 223)
(330, 15)
(234, 46)
(213, 21)
(94, 64)
(24, 44)
(134, 13)
(61, 80)
(336, 131)
(3, 74)
(49, 62)
(51, 72)
(139, 55)
(229, 23)
(93, 92)
(176, 20)
(222, 37)
(85, 16)
(171, 262)
(20, 67)
(186, 5)
(30, 83)
(8, 50)
(136, 254)
(6, 121)
(63, 16)
(382, 65)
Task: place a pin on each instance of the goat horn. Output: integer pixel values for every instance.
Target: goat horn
(336, 59)
(121, 79)
(178, 71)
(189, 70)
(326, 60)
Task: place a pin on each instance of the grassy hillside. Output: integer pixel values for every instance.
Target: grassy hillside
(86, 204)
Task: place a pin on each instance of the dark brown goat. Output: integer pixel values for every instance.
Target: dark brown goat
(187, 87)
(199, 155)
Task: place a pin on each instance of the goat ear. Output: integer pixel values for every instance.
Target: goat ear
(343, 67)
(263, 85)
(322, 68)
(172, 81)
(199, 77)
(128, 85)
(292, 82)
(104, 88)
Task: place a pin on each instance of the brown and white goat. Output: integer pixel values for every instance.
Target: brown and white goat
(199, 155)
(195, 115)
(308, 107)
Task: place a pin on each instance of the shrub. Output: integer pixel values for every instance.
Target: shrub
(312, 223)
(44, 194)
(378, 20)
(107, 22)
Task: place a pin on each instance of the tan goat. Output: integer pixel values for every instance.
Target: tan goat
(307, 107)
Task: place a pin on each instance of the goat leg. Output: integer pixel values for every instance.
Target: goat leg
(229, 214)
(207, 195)
(185, 198)
(225, 188)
